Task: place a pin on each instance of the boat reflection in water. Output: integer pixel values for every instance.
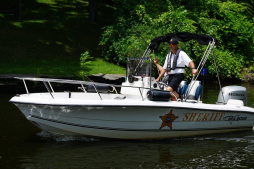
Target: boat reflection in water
(142, 109)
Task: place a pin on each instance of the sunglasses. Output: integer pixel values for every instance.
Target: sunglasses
(171, 44)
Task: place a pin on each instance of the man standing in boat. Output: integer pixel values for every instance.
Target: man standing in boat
(174, 65)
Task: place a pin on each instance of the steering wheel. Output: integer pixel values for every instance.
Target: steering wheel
(131, 79)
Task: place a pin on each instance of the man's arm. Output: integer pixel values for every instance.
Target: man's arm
(192, 65)
(161, 69)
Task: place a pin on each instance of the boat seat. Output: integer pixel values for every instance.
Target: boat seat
(195, 91)
(181, 90)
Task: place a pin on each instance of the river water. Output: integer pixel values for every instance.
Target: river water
(23, 146)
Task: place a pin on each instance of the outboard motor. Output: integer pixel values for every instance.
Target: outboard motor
(233, 92)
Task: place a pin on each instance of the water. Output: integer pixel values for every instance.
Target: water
(23, 146)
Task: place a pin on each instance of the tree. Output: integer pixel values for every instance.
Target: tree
(139, 21)
(93, 12)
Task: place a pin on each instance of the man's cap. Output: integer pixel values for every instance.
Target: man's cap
(173, 41)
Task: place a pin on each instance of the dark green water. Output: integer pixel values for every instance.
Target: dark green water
(23, 146)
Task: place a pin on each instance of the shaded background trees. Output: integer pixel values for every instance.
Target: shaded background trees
(51, 37)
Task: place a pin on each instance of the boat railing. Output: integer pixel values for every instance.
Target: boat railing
(47, 83)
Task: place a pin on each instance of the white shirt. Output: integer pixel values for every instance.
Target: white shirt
(182, 61)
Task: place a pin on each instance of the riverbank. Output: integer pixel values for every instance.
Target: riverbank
(51, 37)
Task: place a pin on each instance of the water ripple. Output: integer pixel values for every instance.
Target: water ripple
(64, 138)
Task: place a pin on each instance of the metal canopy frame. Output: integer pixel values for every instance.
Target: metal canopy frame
(200, 67)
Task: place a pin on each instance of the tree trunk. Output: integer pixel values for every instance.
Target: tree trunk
(93, 12)
(19, 10)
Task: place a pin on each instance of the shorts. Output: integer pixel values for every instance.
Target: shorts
(174, 80)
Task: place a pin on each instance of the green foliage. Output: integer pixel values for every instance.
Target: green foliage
(248, 72)
(85, 64)
(139, 21)
(133, 30)
(50, 37)
(234, 31)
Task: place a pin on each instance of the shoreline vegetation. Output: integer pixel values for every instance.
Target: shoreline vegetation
(51, 37)
(53, 34)
(231, 22)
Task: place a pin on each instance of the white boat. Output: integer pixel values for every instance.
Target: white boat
(142, 109)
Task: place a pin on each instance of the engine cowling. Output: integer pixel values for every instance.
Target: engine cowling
(233, 92)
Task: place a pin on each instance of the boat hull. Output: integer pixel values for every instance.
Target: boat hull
(134, 122)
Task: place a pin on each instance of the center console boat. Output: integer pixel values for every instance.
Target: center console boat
(142, 109)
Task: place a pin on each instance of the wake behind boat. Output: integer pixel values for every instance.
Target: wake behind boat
(142, 109)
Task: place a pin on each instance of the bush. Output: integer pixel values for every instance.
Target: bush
(85, 64)
(139, 21)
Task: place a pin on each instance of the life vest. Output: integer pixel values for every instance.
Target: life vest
(169, 68)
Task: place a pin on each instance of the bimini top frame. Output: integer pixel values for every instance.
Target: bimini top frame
(202, 39)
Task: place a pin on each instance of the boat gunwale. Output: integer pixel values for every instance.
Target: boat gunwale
(148, 106)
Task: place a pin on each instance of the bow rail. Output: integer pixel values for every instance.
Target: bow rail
(82, 83)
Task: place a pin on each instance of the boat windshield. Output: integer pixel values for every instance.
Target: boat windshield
(139, 67)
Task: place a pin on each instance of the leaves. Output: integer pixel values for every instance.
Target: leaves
(85, 64)
(139, 21)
